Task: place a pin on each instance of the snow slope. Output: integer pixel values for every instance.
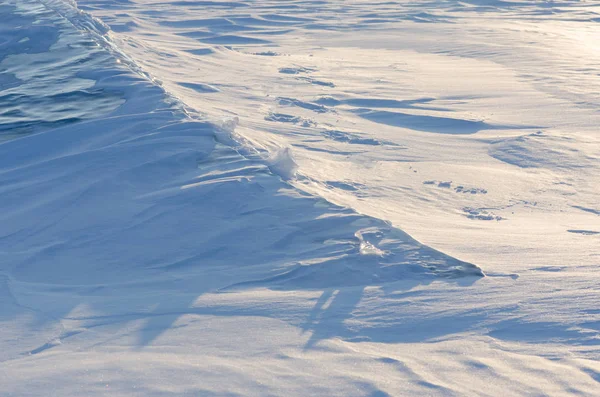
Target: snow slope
(505, 93)
(207, 197)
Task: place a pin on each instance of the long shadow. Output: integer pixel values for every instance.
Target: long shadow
(327, 318)
(328, 323)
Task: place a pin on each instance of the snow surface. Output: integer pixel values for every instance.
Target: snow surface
(222, 197)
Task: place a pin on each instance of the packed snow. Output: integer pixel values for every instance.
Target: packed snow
(259, 197)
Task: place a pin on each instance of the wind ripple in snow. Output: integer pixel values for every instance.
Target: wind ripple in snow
(43, 88)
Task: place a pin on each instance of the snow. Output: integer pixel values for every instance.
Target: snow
(282, 163)
(299, 198)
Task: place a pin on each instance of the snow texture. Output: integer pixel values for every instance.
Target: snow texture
(299, 198)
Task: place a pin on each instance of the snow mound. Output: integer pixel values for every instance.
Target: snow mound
(282, 163)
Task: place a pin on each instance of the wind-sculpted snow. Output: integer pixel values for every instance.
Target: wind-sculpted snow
(134, 190)
(220, 198)
(140, 197)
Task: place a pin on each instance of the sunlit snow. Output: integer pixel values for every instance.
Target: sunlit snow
(299, 198)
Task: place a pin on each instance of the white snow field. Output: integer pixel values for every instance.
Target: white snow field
(299, 198)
